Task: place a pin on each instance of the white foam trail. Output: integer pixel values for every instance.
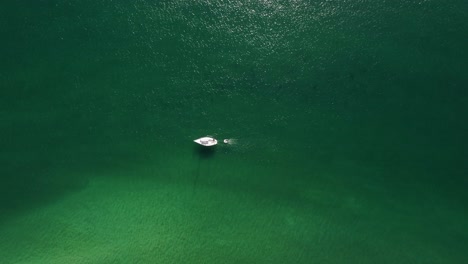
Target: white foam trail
(230, 141)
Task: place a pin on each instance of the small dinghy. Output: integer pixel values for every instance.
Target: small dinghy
(206, 141)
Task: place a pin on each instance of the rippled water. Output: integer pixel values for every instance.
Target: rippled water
(347, 120)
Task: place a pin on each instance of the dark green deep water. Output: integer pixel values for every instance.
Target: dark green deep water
(349, 120)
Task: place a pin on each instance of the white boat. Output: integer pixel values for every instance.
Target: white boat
(206, 141)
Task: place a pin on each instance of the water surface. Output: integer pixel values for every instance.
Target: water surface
(348, 119)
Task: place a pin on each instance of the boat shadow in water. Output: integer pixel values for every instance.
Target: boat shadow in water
(204, 152)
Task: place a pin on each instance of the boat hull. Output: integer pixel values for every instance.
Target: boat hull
(206, 141)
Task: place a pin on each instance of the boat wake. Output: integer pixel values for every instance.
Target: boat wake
(230, 141)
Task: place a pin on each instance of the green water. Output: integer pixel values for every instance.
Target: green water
(348, 121)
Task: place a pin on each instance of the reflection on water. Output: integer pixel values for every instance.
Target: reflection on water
(204, 152)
